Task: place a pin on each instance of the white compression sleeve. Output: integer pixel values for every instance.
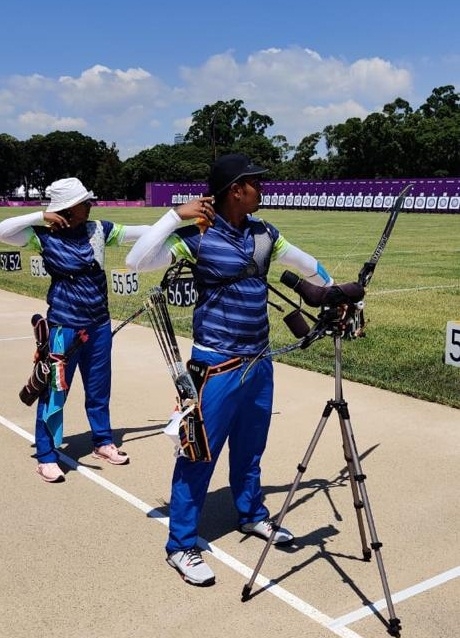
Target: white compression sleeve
(150, 251)
(307, 265)
(131, 233)
(17, 230)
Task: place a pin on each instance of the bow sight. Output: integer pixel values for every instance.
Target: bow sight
(341, 306)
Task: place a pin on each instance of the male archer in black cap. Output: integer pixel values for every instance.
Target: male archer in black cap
(230, 252)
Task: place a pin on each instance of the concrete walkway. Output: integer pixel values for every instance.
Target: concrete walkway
(85, 558)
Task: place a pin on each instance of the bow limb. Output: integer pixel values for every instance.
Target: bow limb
(135, 314)
(368, 268)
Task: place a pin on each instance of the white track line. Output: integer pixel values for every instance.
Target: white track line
(279, 592)
(430, 583)
(417, 289)
(336, 626)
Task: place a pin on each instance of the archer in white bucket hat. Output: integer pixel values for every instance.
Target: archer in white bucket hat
(65, 193)
(78, 316)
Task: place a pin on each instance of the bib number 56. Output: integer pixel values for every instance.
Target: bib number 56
(182, 292)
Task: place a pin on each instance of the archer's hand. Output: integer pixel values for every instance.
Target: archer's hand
(200, 209)
(55, 221)
(343, 294)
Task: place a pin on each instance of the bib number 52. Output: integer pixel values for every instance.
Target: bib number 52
(10, 260)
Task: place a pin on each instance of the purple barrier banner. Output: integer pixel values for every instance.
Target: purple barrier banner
(426, 195)
(121, 202)
(38, 203)
(21, 202)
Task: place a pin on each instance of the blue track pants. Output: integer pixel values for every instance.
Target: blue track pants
(241, 413)
(93, 359)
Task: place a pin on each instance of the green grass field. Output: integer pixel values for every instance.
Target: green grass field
(414, 292)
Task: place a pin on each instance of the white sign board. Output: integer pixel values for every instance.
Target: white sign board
(452, 356)
(37, 266)
(124, 282)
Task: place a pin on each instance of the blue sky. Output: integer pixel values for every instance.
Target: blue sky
(132, 73)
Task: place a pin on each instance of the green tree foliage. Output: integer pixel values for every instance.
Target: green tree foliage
(10, 163)
(303, 160)
(67, 154)
(224, 125)
(107, 184)
(397, 142)
(164, 163)
(442, 103)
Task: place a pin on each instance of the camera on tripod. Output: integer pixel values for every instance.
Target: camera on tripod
(341, 309)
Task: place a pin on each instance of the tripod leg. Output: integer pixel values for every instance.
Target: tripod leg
(357, 502)
(301, 468)
(359, 477)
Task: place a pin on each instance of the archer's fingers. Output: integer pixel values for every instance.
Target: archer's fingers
(207, 211)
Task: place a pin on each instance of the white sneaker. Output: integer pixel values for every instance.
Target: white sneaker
(192, 567)
(264, 529)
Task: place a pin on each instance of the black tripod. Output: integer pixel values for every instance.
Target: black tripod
(358, 487)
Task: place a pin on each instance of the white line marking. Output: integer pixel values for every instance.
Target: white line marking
(14, 338)
(295, 602)
(336, 626)
(398, 597)
(18, 430)
(394, 290)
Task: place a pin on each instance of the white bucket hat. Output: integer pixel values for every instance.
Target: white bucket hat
(66, 193)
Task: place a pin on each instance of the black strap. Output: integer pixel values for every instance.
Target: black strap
(91, 269)
(260, 260)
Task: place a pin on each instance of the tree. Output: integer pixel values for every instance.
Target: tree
(10, 164)
(344, 144)
(220, 127)
(442, 103)
(107, 184)
(398, 142)
(398, 110)
(65, 154)
(164, 163)
(302, 162)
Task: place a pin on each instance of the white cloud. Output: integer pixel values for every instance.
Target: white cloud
(101, 87)
(299, 89)
(44, 122)
(182, 124)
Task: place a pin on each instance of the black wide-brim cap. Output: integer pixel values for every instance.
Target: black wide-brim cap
(228, 169)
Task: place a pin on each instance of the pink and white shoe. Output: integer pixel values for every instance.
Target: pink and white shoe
(50, 472)
(111, 454)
